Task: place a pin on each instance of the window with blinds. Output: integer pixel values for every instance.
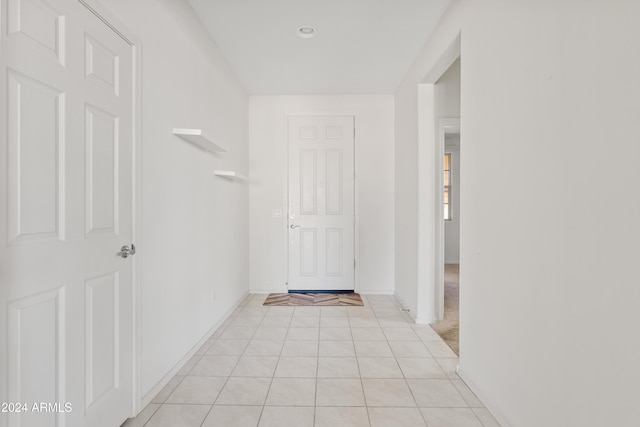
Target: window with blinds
(447, 187)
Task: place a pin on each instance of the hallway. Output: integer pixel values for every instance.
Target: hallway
(318, 366)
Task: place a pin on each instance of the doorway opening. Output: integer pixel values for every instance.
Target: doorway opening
(448, 326)
(439, 104)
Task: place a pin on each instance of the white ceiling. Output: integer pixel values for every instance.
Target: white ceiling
(362, 46)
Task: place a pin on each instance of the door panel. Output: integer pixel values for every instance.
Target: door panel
(321, 203)
(308, 254)
(36, 156)
(38, 24)
(36, 353)
(308, 182)
(101, 64)
(68, 81)
(334, 193)
(334, 255)
(102, 166)
(102, 336)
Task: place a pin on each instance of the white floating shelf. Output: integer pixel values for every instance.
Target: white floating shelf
(230, 174)
(195, 136)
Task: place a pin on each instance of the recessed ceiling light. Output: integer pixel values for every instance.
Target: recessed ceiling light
(307, 32)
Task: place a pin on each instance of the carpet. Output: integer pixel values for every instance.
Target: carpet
(448, 327)
(320, 299)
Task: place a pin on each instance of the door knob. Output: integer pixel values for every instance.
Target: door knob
(125, 251)
(294, 226)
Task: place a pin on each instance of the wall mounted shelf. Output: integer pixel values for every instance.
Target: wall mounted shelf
(196, 137)
(230, 175)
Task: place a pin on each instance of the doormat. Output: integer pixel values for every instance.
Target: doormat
(320, 299)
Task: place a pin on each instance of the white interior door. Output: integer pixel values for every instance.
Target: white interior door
(321, 203)
(66, 85)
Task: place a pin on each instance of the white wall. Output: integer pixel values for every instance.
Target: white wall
(448, 92)
(549, 281)
(194, 225)
(375, 175)
(452, 227)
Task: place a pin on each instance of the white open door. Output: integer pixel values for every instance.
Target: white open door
(321, 203)
(66, 85)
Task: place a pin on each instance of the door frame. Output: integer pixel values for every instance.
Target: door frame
(430, 255)
(103, 13)
(356, 191)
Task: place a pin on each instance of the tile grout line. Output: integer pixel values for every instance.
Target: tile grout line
(226, 380)
(269, 389)
(230, 372)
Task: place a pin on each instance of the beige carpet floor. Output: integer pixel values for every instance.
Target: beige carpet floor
(448, 327)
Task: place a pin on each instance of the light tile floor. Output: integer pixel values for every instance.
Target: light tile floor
(316, 367)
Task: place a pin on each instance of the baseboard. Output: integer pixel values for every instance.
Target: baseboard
(407, 311)
(147, 398)
(373, 292)
(268, 291)
(423, 321)
(483, 398)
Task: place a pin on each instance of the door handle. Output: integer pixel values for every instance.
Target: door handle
(292, 226)
(125, 251)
